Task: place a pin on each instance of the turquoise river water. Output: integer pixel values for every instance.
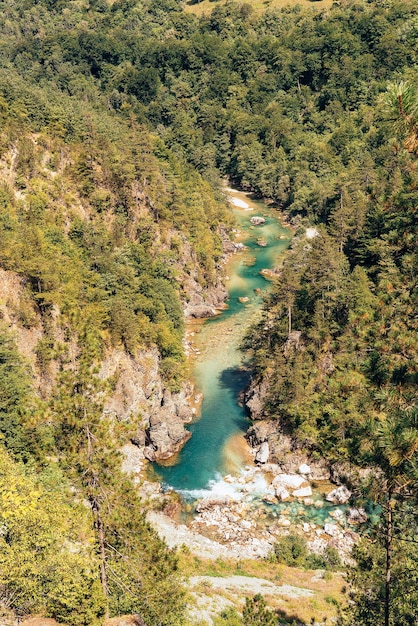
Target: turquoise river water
(217, 445)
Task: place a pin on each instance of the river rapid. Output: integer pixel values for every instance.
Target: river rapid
(217, 446)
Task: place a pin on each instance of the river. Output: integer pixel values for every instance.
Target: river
(217, 446)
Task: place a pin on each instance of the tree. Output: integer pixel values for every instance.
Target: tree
(382, 590)
(137, 572)
(47, 564)
(256, 613)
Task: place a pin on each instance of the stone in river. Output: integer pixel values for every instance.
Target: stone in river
(263, 453)
(292, 481)
(357, 516)
(304, 492)
(331, 529)
(256, 220)
(341, 495)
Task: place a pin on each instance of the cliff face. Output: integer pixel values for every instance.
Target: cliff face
(140, 398)
(84, 249)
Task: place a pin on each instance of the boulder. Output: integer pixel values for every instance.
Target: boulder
(357, 516)
(304, 492)
(200, 311)
(268, 498)
(257, 220)
(272, 468)
(261, 430)
(341, 495)
(245, 524)
(282, 494)
(331, 529)
(149, 454)
(304, 469)
(292, 481)
(210, 503)
(263, 453)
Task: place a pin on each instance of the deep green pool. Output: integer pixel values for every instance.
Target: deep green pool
(219, 371)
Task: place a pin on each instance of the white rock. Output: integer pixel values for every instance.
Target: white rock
(337, 515)
(292, 481)
(357, 516)
(256, 220)
(341, 495)
(306, 528)
(304, 469)
(245, 524)
(263, 453)
(272, 468)
(304, 492)
(282, 493)
(283, 521)
(331, 530)
(311, 233)
(238, 202)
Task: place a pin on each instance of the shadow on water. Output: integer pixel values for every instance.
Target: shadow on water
(234, 378)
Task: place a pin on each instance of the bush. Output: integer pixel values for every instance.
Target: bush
(291, 550)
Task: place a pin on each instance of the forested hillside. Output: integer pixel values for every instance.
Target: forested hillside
(119, 120)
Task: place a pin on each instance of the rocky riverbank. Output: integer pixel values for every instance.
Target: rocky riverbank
(244, 516)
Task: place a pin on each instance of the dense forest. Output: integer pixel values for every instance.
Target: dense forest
(119, 122)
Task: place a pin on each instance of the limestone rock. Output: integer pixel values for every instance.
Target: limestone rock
(257, 220)
(304, 469)
(140, 391)
(263, 453)
(341, 495)
(292, 481)
(331, 529)
(304, 492)
(167, 436)
(357, 516)
(272, 468)
(261, 431)
(200, 311)
(282, 493)
(211, 503)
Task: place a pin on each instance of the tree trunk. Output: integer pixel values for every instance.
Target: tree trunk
(100, 533)
(388, 559)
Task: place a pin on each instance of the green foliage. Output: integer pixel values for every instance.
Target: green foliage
(291, 550)
(228, 617)
(256, 613)
(118, 121)
(47, 561)
(367, 588)
(137, 571)
(14, 389)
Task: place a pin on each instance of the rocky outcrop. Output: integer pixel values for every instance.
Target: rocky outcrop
(263, 453)
(139, 396)
(255, 398)
(284, 452)
(341, 495)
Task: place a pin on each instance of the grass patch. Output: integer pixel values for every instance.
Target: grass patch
(328, 587)
(207, 6)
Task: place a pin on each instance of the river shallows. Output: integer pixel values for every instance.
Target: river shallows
(214, 448)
